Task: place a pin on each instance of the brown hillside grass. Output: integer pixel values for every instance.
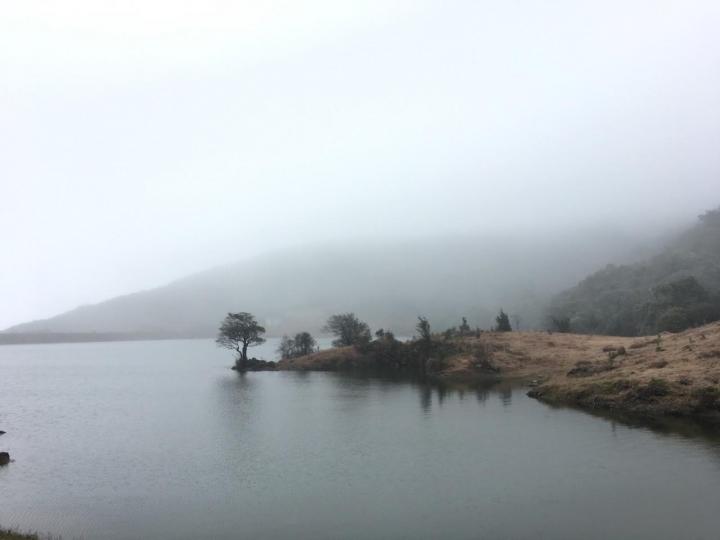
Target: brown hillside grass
(666, 374)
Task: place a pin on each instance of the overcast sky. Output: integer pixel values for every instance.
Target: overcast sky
(144, 140)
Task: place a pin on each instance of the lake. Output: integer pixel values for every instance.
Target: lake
(161, 440)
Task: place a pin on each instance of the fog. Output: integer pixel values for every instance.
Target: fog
(143, 142)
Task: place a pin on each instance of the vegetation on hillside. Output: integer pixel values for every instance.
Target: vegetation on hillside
(678, 289)
(348, 330)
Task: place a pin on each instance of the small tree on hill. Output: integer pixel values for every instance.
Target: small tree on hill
(239, 331)
(423, 329)
(425, 341)
(304, 344)
(464, 329)
(503, 322)
(301, 345)
(348, 330)
(286, 348)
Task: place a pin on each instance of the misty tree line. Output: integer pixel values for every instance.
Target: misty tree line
(673, 291)
(240, 331)
(670, 307)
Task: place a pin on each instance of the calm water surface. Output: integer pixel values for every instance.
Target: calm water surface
(162, 440)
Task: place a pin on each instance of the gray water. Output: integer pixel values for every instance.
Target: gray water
(161, 440)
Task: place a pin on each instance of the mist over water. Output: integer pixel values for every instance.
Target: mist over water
(162, 440)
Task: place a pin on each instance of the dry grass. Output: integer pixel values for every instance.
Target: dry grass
(327, 360)
(670, 374)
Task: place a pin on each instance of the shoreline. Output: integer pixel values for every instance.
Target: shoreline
(669, 375)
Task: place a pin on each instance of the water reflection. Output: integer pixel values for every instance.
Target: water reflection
(354, 388)
(506, 393)
(431, 391)
(173, 444)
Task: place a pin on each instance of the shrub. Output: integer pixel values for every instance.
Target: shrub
(503, 322)
(675, 319)
(655, 388)
(348, 330)
(708, 398)
(560, 324)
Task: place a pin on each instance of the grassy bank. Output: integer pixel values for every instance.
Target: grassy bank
(670, 374)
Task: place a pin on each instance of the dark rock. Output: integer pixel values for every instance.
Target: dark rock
(2, 432)
(4, 458)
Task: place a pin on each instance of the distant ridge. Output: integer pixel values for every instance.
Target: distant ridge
(386, 284)
(22, 338)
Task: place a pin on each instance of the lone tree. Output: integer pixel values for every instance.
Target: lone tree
(423, 329)
(238, 332)
(503, 322)
(464, 329)
(425, 342)
(348, 330)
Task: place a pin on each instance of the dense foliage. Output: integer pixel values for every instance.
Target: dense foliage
(678, 289)
(301, 345)
(502, 322)
(348, 330)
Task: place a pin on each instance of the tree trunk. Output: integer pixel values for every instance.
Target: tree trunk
(243, 357)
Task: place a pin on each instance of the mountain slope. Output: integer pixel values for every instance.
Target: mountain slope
(676, 289)
(386, 284)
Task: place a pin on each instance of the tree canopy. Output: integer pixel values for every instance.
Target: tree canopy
(348, 330)
(677, 289)
(239, 331)
(502, 322)
(301, 345)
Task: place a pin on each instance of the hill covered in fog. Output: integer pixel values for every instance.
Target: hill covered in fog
(676, 289)
(387, 284)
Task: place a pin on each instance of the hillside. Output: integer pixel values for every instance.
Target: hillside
(386, 284)
(676, 289)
